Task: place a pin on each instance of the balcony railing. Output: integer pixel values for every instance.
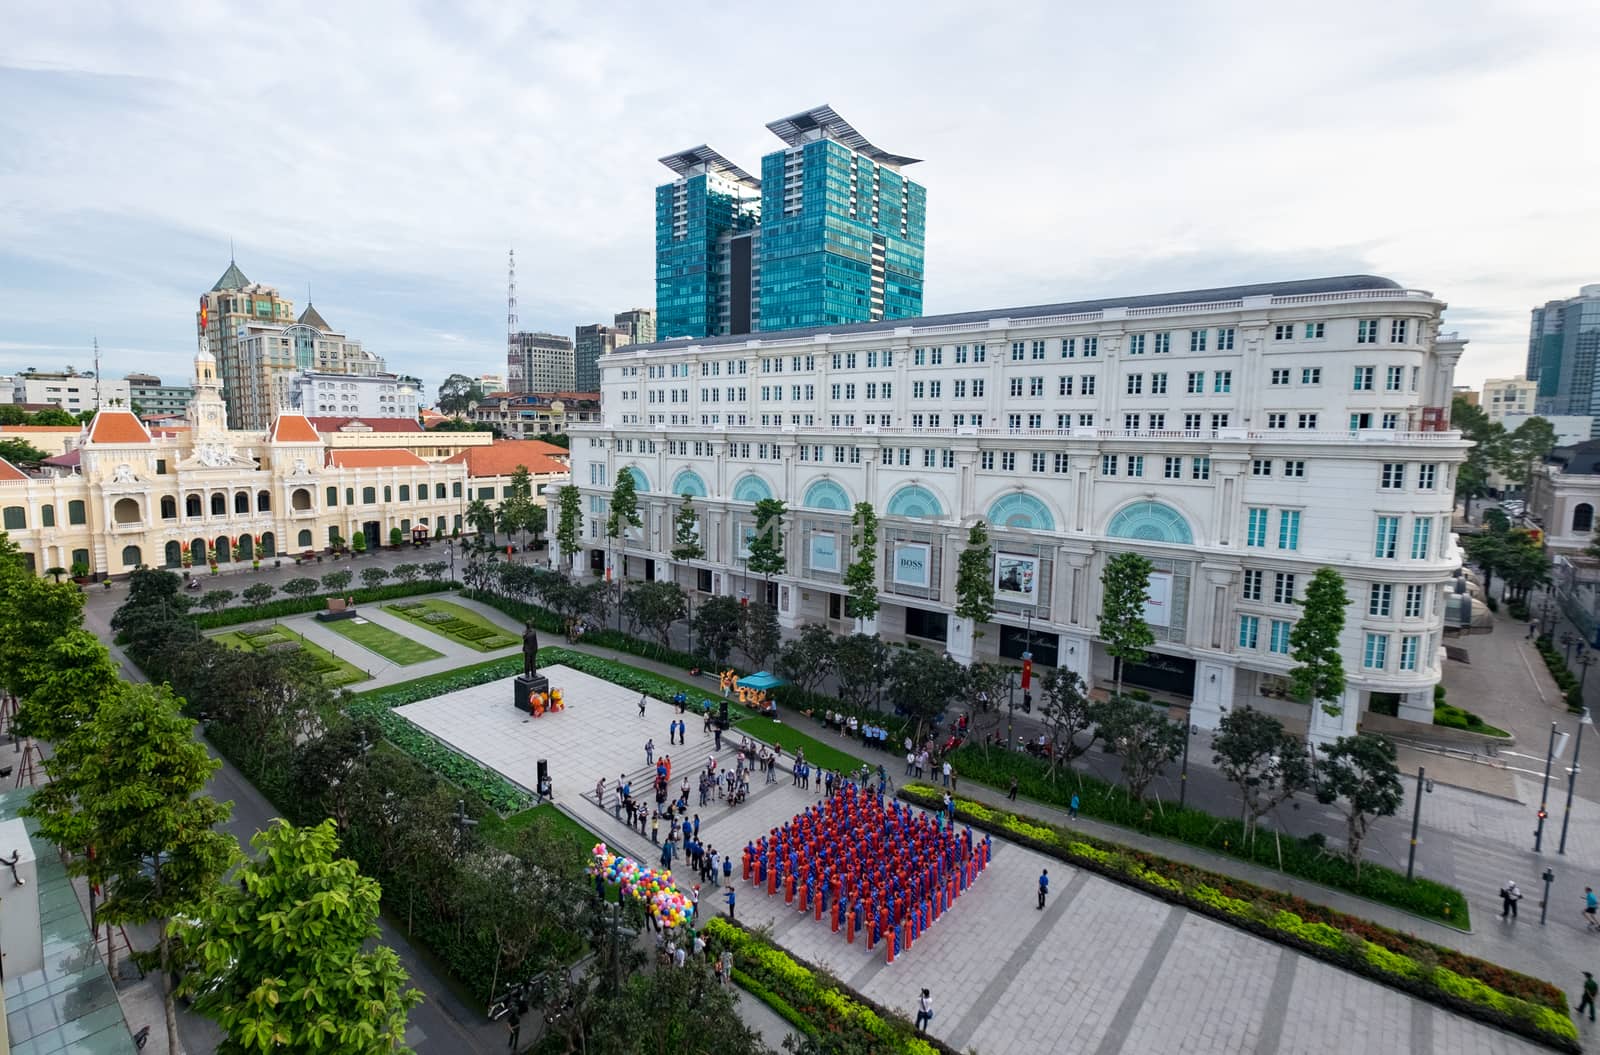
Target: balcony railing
(1233, 435)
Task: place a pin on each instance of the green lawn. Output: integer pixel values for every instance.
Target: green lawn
(459, 624)
(335, 672)
(575, 840)
(383, 641)
(817, 752)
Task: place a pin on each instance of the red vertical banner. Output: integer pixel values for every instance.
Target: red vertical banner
(1027, 671)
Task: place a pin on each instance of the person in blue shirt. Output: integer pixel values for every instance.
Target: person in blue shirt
(730, 896)
(1590, 904)
(1044, 886)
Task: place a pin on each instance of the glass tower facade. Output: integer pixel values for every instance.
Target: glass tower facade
(842, 238)
(1564, 355)
(695, 217)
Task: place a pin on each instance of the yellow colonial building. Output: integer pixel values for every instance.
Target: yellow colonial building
(125, 495)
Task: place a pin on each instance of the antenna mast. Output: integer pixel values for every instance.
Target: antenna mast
(511, 295)
(97, 372)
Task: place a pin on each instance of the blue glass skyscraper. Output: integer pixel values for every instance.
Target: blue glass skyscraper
(831, 234)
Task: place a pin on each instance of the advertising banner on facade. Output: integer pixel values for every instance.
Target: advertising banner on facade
(912, 563)
(824, 551)
(1016, 577)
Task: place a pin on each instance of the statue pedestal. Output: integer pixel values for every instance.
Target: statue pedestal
(524, 688)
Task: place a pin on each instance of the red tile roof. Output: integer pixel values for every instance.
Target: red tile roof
(502, 457)
(334, 424)
(70, 460)
(292, 428)
(386, 458)
(41, 428)
(117, 426)
(10, 472)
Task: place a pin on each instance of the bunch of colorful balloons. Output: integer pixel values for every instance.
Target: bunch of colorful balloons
(652, 887)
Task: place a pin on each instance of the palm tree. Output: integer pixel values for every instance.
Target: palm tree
(481, 517)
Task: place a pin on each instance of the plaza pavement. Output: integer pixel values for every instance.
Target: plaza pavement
(1103, 969)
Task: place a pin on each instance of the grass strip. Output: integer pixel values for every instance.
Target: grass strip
(415, 612)
(335, 672)
(1528, 1006)
(383, 641)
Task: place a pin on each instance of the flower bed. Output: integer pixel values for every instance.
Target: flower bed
(286, 606)
(1299, 857)
(1516, 1002)
(811, 1001)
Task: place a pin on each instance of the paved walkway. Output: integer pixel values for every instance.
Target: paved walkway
(1103, 969)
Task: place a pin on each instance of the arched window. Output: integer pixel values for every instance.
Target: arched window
(405, 492)
(269, 545)
(192, 506)
(641, 482)
(197, 551)
(174, 554)
(131, 557)
(219, 505)
(750, 488)
(1583, 517)
(915, 501)
(126, 511)
(1151, 522)
(221, 549)
(438, 490)
(169, 508)
(388, 494)
(825, 494)
(688, 482)
(333, 497)
(301, 498)
(247, 548)
(241, 502)
(303, 540)
(263, 502)
(369, 495)
(1021, 510)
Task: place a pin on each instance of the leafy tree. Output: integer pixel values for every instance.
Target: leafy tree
(21, 453)
(1318, 676)
(861, 662)
(301, 587)
(861, 577)
(686, 545)
(435, 570)
(407, 573)
(34, 613)
(77, 675)
(337, 581)
(1488, 551)
(1145, 739)
(922, 684)
(1496, 522)
(656, 606)
(1523, 564)
(569, 521)
(395, 537)
(624, 514)
(374, 577)
(258, 593)
(216, 600)
(1067, 712)
(759, 633)
(463, 425)
(482, 518)
(1472, 477)
(127, 782)
(537, 521)
(975, 578)
(285, 957)
(1360, 772)
(1268, 763)
(358, 542)
(717, 627)
(766, 546)
(1125, 586)
(988, 687)
(807, 660)
(458, 393)
(1524, 448)
(53, 416)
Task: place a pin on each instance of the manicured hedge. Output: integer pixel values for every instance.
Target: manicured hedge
(1482, 990)
(814, 1002)
(1566, 680)
(1302, 858)
(286, 606)
(449, 763)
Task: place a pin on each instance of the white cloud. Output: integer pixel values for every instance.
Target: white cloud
(389, 153)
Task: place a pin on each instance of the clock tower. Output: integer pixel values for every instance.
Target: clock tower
(208, 414)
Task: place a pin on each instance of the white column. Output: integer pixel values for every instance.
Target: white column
(960, 644)
(1326, 728)
(868, 626)
(1417, 706)
(1213, 691)
(788, 604)
(1075, 652)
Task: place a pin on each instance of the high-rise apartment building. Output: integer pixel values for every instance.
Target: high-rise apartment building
(1507, 395)
(640, 324)
(842, 231)
(226, 310)
(319, 394)
(589, 344)
(539, 362)
(1563, 349)
(831, 234)
(69, 390)
(148, 395)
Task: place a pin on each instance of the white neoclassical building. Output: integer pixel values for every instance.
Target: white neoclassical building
(1240, 438)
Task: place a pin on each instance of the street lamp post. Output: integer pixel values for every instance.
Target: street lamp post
(1585, 657)
(1572, 774)
(1544, 796)
(1544, 616)
(1568, 640)
(1416, 819)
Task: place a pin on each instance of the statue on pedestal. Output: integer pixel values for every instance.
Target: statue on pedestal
(530, 651)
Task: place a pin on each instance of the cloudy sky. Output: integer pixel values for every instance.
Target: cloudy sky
(386, 155)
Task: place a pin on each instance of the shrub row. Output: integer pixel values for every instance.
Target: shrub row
(286, 606)
(449, 763)
(1303, 858)
(1517, 1002)
(1452, 717)
(1566, 681)
(812, 1001)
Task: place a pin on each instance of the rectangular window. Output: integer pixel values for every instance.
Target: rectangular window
(986, 460)
(1283, 587)
(1062, 462)
(1135, 384)
(1413, 608)
(1108, 465)
(1019, 351)
(933, 389)
(1086, 385)
(1410, 645)
(1361, 379)
(1278, 637)
(1283, 331)
(1091, 347)
(927, 457)
(1289, 529)
(980, 353)
(918, 388)
(1035, 461)
(1421, 535)
(936, 356)
(1307, 421)
(1130, 423)
(1393, 476)
(1397, 331)
(1016, 386)
(1427, 473)
(1035, 386)
(1196, 382)
(1261, 467)
(1200, 468)
(1311, 375)
(1219, 421)
(1294, 470)
(1158, 384)
(1197, 340)
(1375, 656)
(1385, 544)
(1249, 631)
(1380, 599)
(1008, 461)
(1135, 344)
(1225, 339)
(1251, 591)
(960, 389)
(1277, 421)
(1013, 422)
(977, 388)
(1163, 343)
(1367, 331)
(1158, 421)
(1222, 381)
(1135, 464)
(1191, 422)
(1064, 385)
(1069, 347)
(1315, 330)
(1255, 535)
(1393, 378)
(1280, 375)
(1172, 467)
(1085, 421)
(77, 512)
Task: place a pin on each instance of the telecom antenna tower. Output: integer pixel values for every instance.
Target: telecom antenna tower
(511, 296)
